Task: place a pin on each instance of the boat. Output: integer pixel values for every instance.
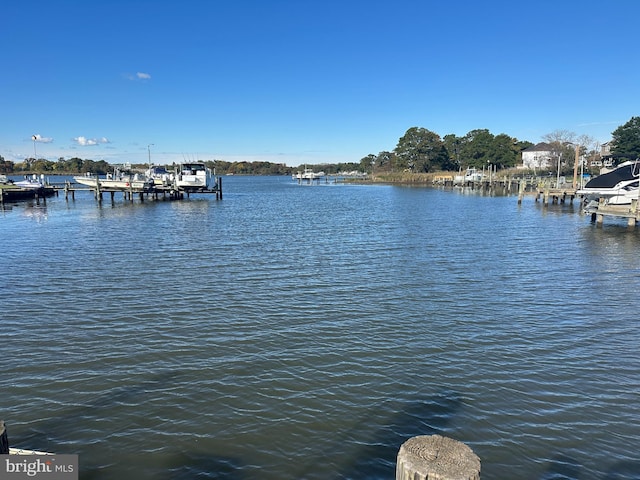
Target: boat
(32, 182)
(192, 177)
(116, 181)
(471, 175)
(160, 175)
(307, 174)
(22, 451)
(616, 187)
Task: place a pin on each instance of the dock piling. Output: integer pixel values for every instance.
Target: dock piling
(521, 189)
(4, 439)
(428, 457)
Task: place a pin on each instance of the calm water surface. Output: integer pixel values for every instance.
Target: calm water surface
(292, 331)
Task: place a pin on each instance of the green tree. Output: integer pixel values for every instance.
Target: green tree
(452, 144)
(505, 151)
(25, 166)
(239, 168)
(6, 166)
(88, 166)
(72, 165)
(101, 167)
(385, 161)
(219, 166)
(421, 150)
(626, 140)
(367, 163)
(477, 148)
(41, 165)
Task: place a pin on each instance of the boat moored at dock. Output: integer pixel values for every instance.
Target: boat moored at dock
(31, 182)
(471, 175)
(32, 186)
(193, 177)
(117, 181)
(307, 175)
(160, 175)
(616, 187)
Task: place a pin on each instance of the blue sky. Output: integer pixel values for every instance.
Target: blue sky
(305, 81)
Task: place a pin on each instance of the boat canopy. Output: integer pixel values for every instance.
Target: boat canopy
(612, 178)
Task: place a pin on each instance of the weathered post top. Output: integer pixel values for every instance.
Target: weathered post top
(433, 457)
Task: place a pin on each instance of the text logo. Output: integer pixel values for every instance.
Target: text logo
(45, 467)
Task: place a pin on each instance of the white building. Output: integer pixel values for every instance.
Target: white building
(540, 156)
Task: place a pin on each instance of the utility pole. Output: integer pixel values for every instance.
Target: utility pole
(575, 167)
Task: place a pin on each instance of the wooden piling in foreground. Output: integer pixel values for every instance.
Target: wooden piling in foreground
(428, 457)
(4, 439)
(632, 220)
(521, 188)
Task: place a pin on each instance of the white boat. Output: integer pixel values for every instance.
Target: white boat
(307, 174)
(193, 177)
(616, 187)
(116, 181)
(160, 175)
(471, 175)
(21, 451)
(31, 183)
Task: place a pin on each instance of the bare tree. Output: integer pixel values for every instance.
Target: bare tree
(587, 142)
(560, 137)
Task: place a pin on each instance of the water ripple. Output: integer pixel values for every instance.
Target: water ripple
(293, 332)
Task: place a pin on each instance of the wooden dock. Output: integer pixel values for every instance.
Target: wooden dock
(170, 192)
(598, 210)
(11, 193)
(601, 209)
(557, 194)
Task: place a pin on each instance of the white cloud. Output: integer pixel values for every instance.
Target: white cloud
(139, 76)
(88, 142)
(39, 138)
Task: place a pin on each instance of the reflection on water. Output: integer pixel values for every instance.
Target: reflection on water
(35, 212)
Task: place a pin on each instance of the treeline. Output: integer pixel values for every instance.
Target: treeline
(101, 167)
(422, 151)
(61, 167)
(419, 150)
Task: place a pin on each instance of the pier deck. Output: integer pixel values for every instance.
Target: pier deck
(165, 191)
(601, 209)
(11, 193)
(556, 194)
